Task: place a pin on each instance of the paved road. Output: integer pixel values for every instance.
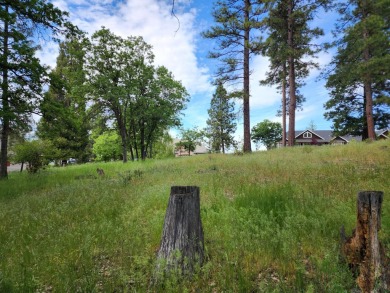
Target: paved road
(15, 167)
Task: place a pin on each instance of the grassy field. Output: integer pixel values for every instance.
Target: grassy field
(271, 221)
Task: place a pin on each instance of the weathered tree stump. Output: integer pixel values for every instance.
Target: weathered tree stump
(182, 245)
(363, 252)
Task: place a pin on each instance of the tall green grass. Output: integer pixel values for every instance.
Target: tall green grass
(271, 221)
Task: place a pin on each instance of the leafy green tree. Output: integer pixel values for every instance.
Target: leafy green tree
(164, 147)
(359, 79)
(236, 39)
(155, 108)
(142, 100)
(21, 22)
(190, 138)
(64, 120)
(107, 146)
(112, 64)
(98, 121)
(267, 133)
(221, 122)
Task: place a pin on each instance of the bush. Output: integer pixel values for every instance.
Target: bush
(107, 146)
(36, 154)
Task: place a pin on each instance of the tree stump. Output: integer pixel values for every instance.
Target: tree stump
(363, 252)
(182, 245)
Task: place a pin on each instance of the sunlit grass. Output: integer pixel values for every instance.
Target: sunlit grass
(271, 221)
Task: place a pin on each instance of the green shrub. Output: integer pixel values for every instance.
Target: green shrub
(107, 146)
(36, 154)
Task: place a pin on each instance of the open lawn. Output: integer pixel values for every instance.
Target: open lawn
(271, 221)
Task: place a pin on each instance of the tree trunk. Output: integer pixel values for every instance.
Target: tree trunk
(124, 144)
(222, 139)
(363, 252)
(5, 104)
(142, 140)
(149, 144)
(368, 110)
(293, 100)
(368, 79)
(131, 152)
(284, 105)
(135, 140)
(246, 109)
(150, 147)
(364, 115)
(182, 246)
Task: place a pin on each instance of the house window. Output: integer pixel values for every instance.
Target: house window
(307, 135)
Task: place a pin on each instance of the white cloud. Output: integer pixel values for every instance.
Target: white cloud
(48, 53)
(262, 96)
(174, 40)
(181, 52)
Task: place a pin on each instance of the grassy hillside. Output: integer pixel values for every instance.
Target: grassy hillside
(271, 221)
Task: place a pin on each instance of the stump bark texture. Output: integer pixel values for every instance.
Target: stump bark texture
(182, 244)
(363, 251)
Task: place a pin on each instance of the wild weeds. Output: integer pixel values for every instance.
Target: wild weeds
(271, 221)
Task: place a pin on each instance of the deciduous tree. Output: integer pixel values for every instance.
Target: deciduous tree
(143, 100)
(190, 138)
(155, 107)
(107, 146)
(36, 154)
(112, 65)
(267, 133)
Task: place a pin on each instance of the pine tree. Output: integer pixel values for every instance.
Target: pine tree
(288, 46)
(237, 40)
(21, 72)
(64, 120)
(359, 82)
(275, 47)
(221, 122)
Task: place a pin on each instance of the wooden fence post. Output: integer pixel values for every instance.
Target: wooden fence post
(363, 252)
(182, 244)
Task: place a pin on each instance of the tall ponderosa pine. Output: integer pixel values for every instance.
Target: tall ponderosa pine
(221, 122)
(290, 46)
(64, 120)
(21, 73)
(275, 47)
(236, 34)
(360, 81)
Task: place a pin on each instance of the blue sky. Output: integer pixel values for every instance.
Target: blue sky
(184, 53)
